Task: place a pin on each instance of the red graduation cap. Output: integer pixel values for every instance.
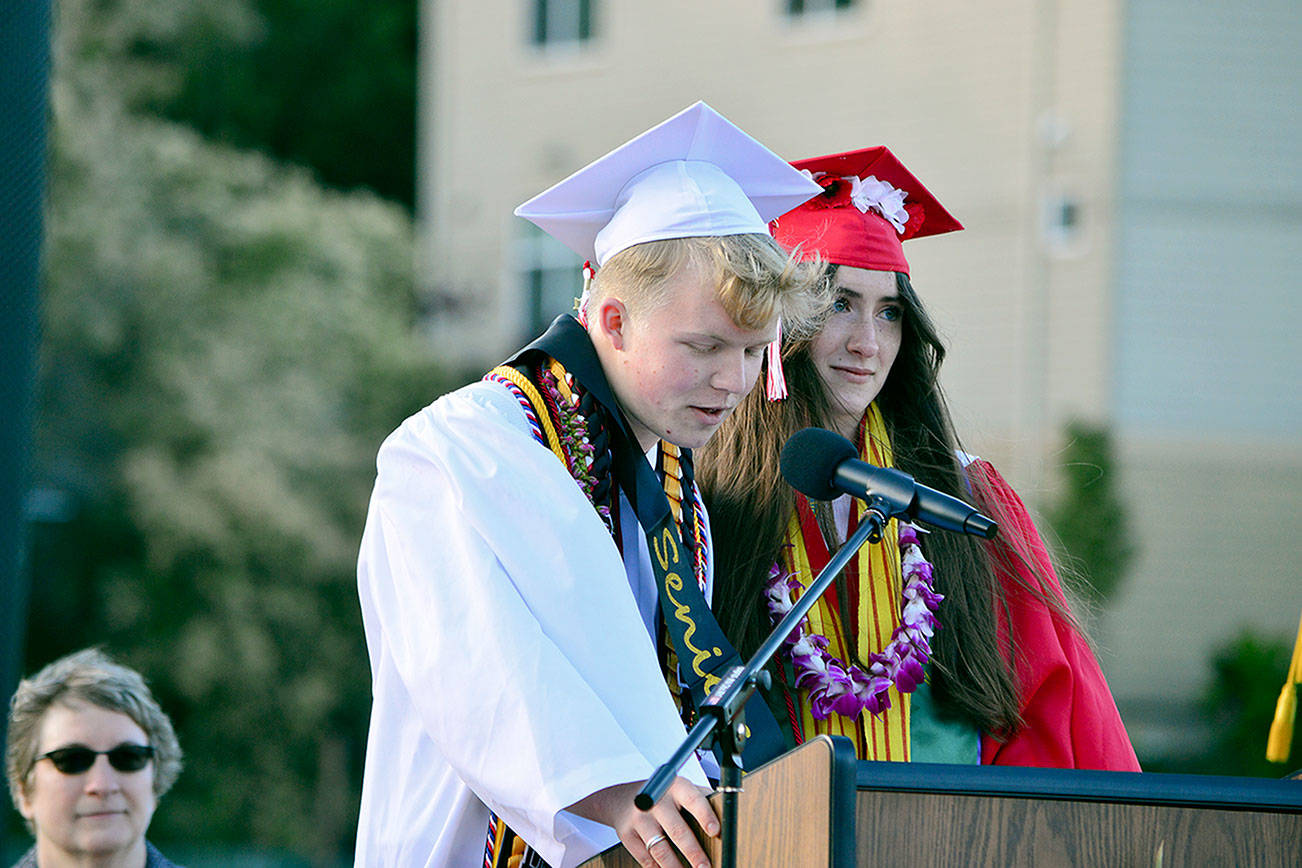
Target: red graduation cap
(870, 204)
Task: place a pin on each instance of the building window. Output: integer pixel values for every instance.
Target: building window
(551, 276)
(813, 7)
(557, 22)
(1063, 226)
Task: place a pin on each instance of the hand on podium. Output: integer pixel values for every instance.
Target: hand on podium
(655, 838)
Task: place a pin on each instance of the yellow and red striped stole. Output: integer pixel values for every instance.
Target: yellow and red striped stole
(692, 533)
(873, 590)
(690, 525)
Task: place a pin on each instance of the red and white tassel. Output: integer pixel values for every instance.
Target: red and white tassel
(581, 306)
(775, 382)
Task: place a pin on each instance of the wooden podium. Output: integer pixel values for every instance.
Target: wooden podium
(815, 806)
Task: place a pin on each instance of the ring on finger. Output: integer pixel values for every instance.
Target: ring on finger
(655, 839)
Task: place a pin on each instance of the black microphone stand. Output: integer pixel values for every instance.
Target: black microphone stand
(719, 717)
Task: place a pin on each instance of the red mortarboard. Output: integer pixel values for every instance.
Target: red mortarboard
(870, 203)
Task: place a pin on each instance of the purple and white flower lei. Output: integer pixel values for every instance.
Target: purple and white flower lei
(847, 690)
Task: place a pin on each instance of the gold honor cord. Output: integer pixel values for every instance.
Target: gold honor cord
(1281, 729)
(540, 408)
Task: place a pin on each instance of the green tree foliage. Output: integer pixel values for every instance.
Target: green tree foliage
(225, 344)
(329, 84)
(1246, 674)
(1088, 517)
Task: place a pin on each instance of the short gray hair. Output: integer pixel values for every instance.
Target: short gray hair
(89, 677)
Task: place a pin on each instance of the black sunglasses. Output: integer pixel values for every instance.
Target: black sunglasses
(77, 759)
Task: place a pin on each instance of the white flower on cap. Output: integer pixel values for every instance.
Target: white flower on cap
(880, 196)
(694, 175)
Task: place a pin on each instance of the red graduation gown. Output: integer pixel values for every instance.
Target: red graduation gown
(1071, 720)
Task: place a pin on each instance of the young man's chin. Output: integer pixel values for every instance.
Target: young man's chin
(694, 436)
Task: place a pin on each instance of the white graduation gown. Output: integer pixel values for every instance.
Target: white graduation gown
(512, 662)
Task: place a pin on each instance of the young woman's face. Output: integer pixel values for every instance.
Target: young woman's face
(855, 350)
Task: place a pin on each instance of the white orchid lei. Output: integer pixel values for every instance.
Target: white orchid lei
(847, 689)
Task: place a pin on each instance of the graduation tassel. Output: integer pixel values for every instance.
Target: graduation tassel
(1281, 729)
(581, 303)
(775, 383)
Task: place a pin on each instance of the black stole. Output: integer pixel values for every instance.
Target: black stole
(704, 654)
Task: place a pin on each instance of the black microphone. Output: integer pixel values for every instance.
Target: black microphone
(822, 464)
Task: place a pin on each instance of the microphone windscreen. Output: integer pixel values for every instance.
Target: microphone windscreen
(809, 461)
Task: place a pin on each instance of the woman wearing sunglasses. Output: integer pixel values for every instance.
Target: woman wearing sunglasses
(89, 754)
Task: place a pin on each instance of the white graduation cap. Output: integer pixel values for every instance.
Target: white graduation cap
(693, 175)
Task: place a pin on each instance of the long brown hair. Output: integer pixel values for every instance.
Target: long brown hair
(749, 504)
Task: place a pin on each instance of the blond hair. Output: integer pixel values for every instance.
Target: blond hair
(755, 278)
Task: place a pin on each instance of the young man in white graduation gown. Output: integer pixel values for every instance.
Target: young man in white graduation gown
(523, 656)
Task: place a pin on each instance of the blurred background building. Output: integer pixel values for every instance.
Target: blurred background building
(1131, 185)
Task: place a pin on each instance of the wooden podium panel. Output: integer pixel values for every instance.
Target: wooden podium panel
(816, 807)
(794, 812)
(976, 816)
(945, 830)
